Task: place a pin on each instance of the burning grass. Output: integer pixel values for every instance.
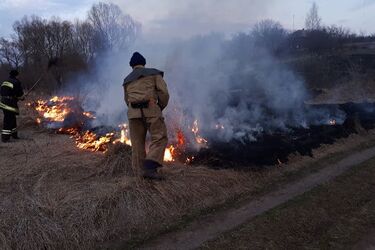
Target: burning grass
(66, 115)
(56, 196)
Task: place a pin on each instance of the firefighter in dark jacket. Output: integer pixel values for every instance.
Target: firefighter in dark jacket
(11, 92)
(146, 95)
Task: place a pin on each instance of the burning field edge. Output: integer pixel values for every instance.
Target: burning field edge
(58, 196)
(66, 115)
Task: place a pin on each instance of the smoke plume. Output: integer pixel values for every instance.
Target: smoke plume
(235, 89)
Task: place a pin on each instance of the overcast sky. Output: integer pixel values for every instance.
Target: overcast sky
(183, 18)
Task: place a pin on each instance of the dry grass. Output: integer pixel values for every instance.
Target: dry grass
(118, 161)
(334, 216)
(358, 90)
(63, 200)
(54, 196)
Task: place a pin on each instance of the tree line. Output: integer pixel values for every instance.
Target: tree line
(315, 38)
(73, 46)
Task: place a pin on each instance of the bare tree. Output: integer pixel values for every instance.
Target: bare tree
(84, 44)
(31, 39)
(313, 20)
(269, 34)
(10, 54)
(113, 29)
(36, 41)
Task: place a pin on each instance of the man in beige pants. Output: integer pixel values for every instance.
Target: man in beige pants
(146, 95)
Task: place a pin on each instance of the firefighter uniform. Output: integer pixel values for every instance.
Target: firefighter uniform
(146, 95)
(10, 91)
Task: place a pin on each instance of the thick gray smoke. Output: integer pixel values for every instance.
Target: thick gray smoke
(234, 89)
(231, 97)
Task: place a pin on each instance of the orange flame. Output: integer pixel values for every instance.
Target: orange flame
(168, 154)
(58, 108)
(89, 115)
(124, 135)
(180, 138)
(189, 160)
(332, 122)
(90, 141)
(55, 112)
(199, 139)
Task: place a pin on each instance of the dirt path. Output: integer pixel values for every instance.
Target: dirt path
(368, 243)
(212, 226)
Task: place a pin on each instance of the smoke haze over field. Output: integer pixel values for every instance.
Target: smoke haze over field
(207, 84)
(233, 85)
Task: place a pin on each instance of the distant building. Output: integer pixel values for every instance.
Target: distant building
(298, 39)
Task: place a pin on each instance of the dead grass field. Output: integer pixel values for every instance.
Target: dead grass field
(359, 90)
(337, 215)
(55, 196)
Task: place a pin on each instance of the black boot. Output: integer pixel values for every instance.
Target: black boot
(5, 138)
(150, 170)
(15, 136)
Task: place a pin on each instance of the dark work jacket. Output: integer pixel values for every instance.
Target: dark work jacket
(10, 91)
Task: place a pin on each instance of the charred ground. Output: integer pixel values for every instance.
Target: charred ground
(274, 148)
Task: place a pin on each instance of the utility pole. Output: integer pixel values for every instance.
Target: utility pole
(293, 22)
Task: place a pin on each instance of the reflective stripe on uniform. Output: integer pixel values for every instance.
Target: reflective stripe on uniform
(9, 108)
(7, 84)
(14, 130)
(6, 132)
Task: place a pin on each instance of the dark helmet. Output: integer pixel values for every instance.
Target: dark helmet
(137, 59)
(14, 73)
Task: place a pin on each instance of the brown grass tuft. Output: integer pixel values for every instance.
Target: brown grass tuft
(118, 161)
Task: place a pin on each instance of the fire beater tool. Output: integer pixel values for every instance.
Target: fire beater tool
(51, 62)
(32, 88)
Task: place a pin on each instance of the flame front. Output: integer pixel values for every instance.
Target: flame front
(57, 109)
(90, 141)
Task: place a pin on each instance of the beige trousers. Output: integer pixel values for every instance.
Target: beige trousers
(159, 140)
